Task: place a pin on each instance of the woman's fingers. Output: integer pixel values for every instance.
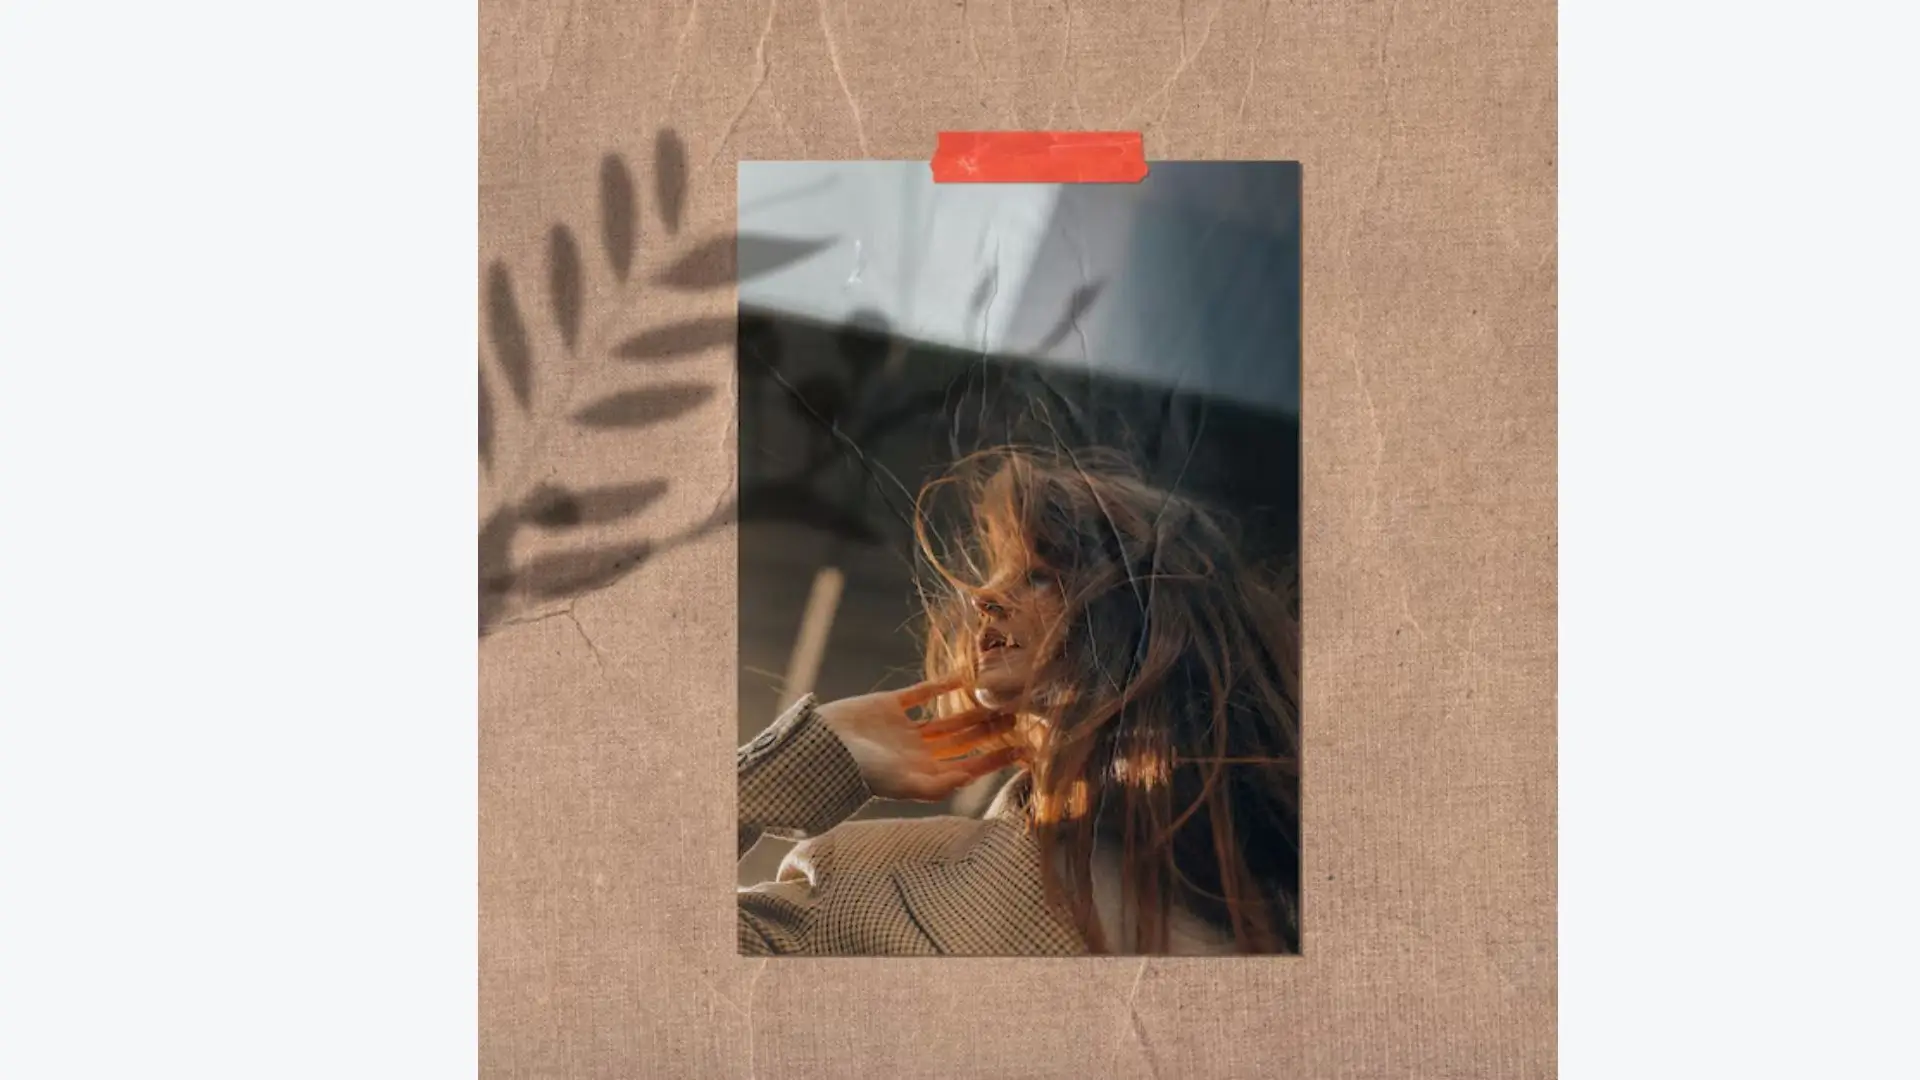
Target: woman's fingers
(976, 767)
(960, 721)
(947, 777)
(989, 732)
(918, 695)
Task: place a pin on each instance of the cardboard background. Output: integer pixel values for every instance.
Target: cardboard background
(1427, 136)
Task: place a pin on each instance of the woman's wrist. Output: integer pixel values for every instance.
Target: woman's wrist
(797, 778)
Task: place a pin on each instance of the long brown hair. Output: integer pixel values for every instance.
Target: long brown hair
(1168, 683)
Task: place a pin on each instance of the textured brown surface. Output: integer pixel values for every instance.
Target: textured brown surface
(1427, 136)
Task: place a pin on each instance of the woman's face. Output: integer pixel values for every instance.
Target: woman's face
(1013, 614)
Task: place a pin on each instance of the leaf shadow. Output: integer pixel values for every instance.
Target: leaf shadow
(511, 348)
(496, 564)
(728, 260)
(1078, 305)
(553, 507)
(644, 407)
(564, 283)
(863, 346)
(677, 339)
(486, 419)
(983, 293)
(670, 177)
(552, 576)
(619, 215)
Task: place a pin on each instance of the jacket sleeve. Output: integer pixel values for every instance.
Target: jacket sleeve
(796, 781)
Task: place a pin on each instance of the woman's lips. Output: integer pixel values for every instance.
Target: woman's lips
(993, 638)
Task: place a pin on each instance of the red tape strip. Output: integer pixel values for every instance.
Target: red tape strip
(1039, 157)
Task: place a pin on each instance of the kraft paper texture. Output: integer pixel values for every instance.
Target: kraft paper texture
(1427, 138)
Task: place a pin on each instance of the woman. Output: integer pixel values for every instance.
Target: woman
(1108, 639)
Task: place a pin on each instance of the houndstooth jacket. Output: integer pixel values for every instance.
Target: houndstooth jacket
(921, 887)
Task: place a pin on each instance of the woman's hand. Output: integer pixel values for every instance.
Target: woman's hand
(900, 758)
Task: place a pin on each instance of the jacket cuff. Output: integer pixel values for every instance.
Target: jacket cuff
(797, 779)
